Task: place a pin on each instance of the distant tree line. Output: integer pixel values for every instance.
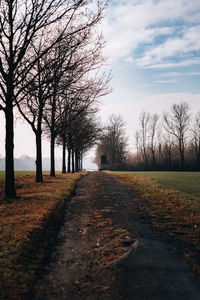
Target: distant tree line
(51, 70)
(26, 163)
(168, 143)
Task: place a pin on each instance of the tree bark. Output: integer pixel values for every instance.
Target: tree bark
(198, 163)
(39, 177)
(69, 160)
(81, 162)
(182, 160)
(52, 168)
(64, 156)
(145, 158)
(153, 159)
(73, 161)
(53, 108)
(76, 162)
(9, 170)
(170, 160)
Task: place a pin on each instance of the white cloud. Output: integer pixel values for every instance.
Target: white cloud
(129, 41)
(133, 24)
(185, 63)
(193, 73)
(166, 81)
(173, 47)
(170, 74)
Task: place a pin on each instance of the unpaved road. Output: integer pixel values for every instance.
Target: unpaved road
(106, 251)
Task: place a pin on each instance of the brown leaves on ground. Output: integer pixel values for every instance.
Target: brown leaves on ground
(112, 239)
(34, 204)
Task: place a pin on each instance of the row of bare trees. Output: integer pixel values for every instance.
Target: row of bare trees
(170, 143)
(112, 145)
(50, 69)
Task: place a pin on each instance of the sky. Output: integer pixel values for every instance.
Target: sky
(153, 50)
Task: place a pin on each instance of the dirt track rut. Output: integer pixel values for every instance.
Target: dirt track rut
(106, 251)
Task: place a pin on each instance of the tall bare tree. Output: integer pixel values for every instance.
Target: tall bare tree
(153, 124)
(87, 131)
(113, 143)
(36, 93)
(144, 119)
(82, 99)
(79, 18)
(196, 139)
(69, 89)
(177, 124)
(168, 150)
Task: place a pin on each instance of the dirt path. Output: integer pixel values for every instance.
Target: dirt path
(106, 251)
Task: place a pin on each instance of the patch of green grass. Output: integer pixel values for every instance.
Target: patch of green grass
(188, 182)
(17, 173)
(2, 175)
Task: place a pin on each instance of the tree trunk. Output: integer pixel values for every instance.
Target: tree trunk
(170, 161)
(81, 162)
(145, 159)
(64, 156)
(76, 162)
(182, 162)
(153, 159)
(9, 176)
(182, 159)
(198, 163)
(69, 160)
(38, 162)
(52, 168)
(72, 160)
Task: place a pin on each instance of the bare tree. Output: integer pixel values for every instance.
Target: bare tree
(113, 143)
(69, 89)
(196, 139)
(137, 143)
(168, 150)
(44, 82)
(87, 131)
(177, 124)
(144, 119)
(62, 55)
(21, 23)
(176, 147)
(79, 100)
(36, 93)
(153, 123)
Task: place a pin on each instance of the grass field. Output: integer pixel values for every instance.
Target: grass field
(172, 201)
(184, 186)
(17, 173)
(28, 226)
(188, 182)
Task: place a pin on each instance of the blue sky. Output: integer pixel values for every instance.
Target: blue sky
(153, 49)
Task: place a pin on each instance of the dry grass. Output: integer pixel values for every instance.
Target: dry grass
(27, 226)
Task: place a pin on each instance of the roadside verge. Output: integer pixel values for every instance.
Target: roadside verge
(29, 225)
(173, 214)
